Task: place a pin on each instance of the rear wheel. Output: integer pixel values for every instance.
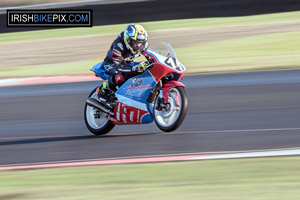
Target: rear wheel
(95, 120)
(169, 117)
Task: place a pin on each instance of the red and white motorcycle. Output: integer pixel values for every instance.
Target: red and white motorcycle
(156, 94)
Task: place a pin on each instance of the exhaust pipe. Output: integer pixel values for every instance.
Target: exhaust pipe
(94, 103)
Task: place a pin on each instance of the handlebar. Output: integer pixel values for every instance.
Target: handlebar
(149, 63)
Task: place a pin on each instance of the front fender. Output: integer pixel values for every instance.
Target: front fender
(169, 85)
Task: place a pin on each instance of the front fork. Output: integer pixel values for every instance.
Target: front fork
(161, 104)
(163, 100)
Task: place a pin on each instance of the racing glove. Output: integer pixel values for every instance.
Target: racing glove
(141, 67)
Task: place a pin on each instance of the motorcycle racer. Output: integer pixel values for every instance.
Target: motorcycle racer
(118, 62)
(155, 95)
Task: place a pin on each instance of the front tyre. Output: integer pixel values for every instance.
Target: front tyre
(95, 120)
(170, 117)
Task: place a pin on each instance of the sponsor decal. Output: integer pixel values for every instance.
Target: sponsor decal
(118, 113)
(108, 67)
(145, 87)
(127, 114)
(130, 88)
(138, 117)
(112, 119)
(118, 116)
(120, 45)
(124, 118)
(136, 81)
(131, 115)
(139, 87)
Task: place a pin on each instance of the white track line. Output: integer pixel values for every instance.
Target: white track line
(234, 131)
(293, 152)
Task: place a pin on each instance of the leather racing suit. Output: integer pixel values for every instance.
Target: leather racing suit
(119, 62)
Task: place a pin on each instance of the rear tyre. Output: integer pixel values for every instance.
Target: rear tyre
(170, 118)
(96, 120)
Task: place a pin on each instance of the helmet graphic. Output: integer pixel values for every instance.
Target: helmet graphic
(135, 38)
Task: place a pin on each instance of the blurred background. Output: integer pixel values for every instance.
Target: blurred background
(208, 35)
(243, 85)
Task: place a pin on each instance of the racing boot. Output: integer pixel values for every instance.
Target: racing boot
(103, 92)
(107, 91)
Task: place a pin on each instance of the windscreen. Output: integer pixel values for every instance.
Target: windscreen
(165, 49)
(169, 56)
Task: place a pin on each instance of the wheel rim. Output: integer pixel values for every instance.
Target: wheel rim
(91, 113)
(168, 117)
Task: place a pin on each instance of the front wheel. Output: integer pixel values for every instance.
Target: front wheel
(95, 120)
(170, 117)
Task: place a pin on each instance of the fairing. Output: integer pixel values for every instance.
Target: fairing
(132, 106)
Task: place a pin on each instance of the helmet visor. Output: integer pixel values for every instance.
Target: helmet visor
(137, 45)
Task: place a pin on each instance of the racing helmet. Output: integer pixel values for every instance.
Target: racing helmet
(135, 38)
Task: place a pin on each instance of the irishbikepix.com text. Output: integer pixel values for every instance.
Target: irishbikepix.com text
(49, 18)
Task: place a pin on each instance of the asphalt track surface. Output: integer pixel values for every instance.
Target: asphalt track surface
(227, 112)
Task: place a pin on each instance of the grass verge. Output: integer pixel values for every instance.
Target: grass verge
(247, 179)
(70, 68)
(264, 52)
(269, 51)
(157, 25)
